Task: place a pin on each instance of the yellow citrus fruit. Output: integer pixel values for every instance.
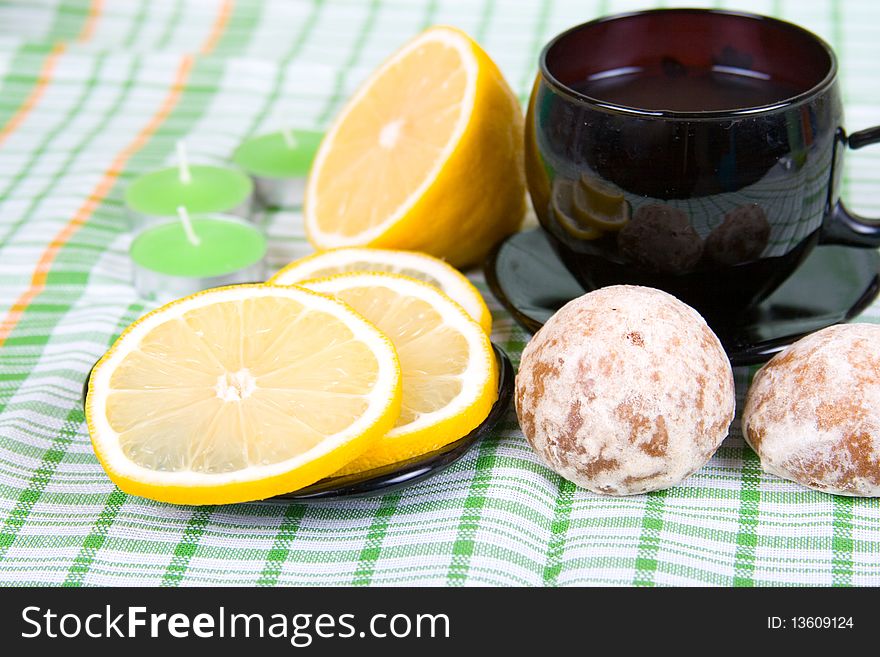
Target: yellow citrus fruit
(426, 156)
(449, 370)
(416, 265)
(240, 393)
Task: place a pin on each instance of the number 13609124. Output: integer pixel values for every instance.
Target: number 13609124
(810, 623)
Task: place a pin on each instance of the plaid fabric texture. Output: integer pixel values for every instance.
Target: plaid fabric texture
(94, 94)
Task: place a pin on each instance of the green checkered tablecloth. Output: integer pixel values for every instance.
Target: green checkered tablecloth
(94, 94)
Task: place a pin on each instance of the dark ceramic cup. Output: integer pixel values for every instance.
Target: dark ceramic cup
(696, 151)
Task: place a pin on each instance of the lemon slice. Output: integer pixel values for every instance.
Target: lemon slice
(449, 371)
(562, 203)
(240, 393)
(426, 156)
(598, 205)
(416, 265)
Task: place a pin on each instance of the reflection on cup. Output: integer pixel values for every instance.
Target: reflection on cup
(741, 237)
(599, 204)
(661, 238)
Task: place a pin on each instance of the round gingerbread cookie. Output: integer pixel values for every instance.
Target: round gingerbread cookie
(813, 412)
(625, 390)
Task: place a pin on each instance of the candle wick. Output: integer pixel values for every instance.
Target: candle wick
(191, 236)
(183, 163)
(289, 139)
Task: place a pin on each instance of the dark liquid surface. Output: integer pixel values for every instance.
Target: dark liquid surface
(671, 86)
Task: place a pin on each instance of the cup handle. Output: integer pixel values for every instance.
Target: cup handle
(845, 227)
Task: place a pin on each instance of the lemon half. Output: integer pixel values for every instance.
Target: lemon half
(426, 156)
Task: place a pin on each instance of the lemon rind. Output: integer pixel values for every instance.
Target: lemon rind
(300, 271)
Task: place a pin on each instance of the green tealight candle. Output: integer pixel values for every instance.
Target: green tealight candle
(174, 258)
(210, 189)
(199, 188)
(279, 163)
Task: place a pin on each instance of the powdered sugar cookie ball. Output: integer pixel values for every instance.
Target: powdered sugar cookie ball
(625, 390)
(813, 412)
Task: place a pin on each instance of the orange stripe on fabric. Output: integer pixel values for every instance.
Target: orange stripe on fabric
(44, 264)
(218, 28)
(48, 71)
(37, 92)
(41, 272)
(88, 30)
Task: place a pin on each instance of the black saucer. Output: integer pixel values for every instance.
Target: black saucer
(397, 475)
(833, 285)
